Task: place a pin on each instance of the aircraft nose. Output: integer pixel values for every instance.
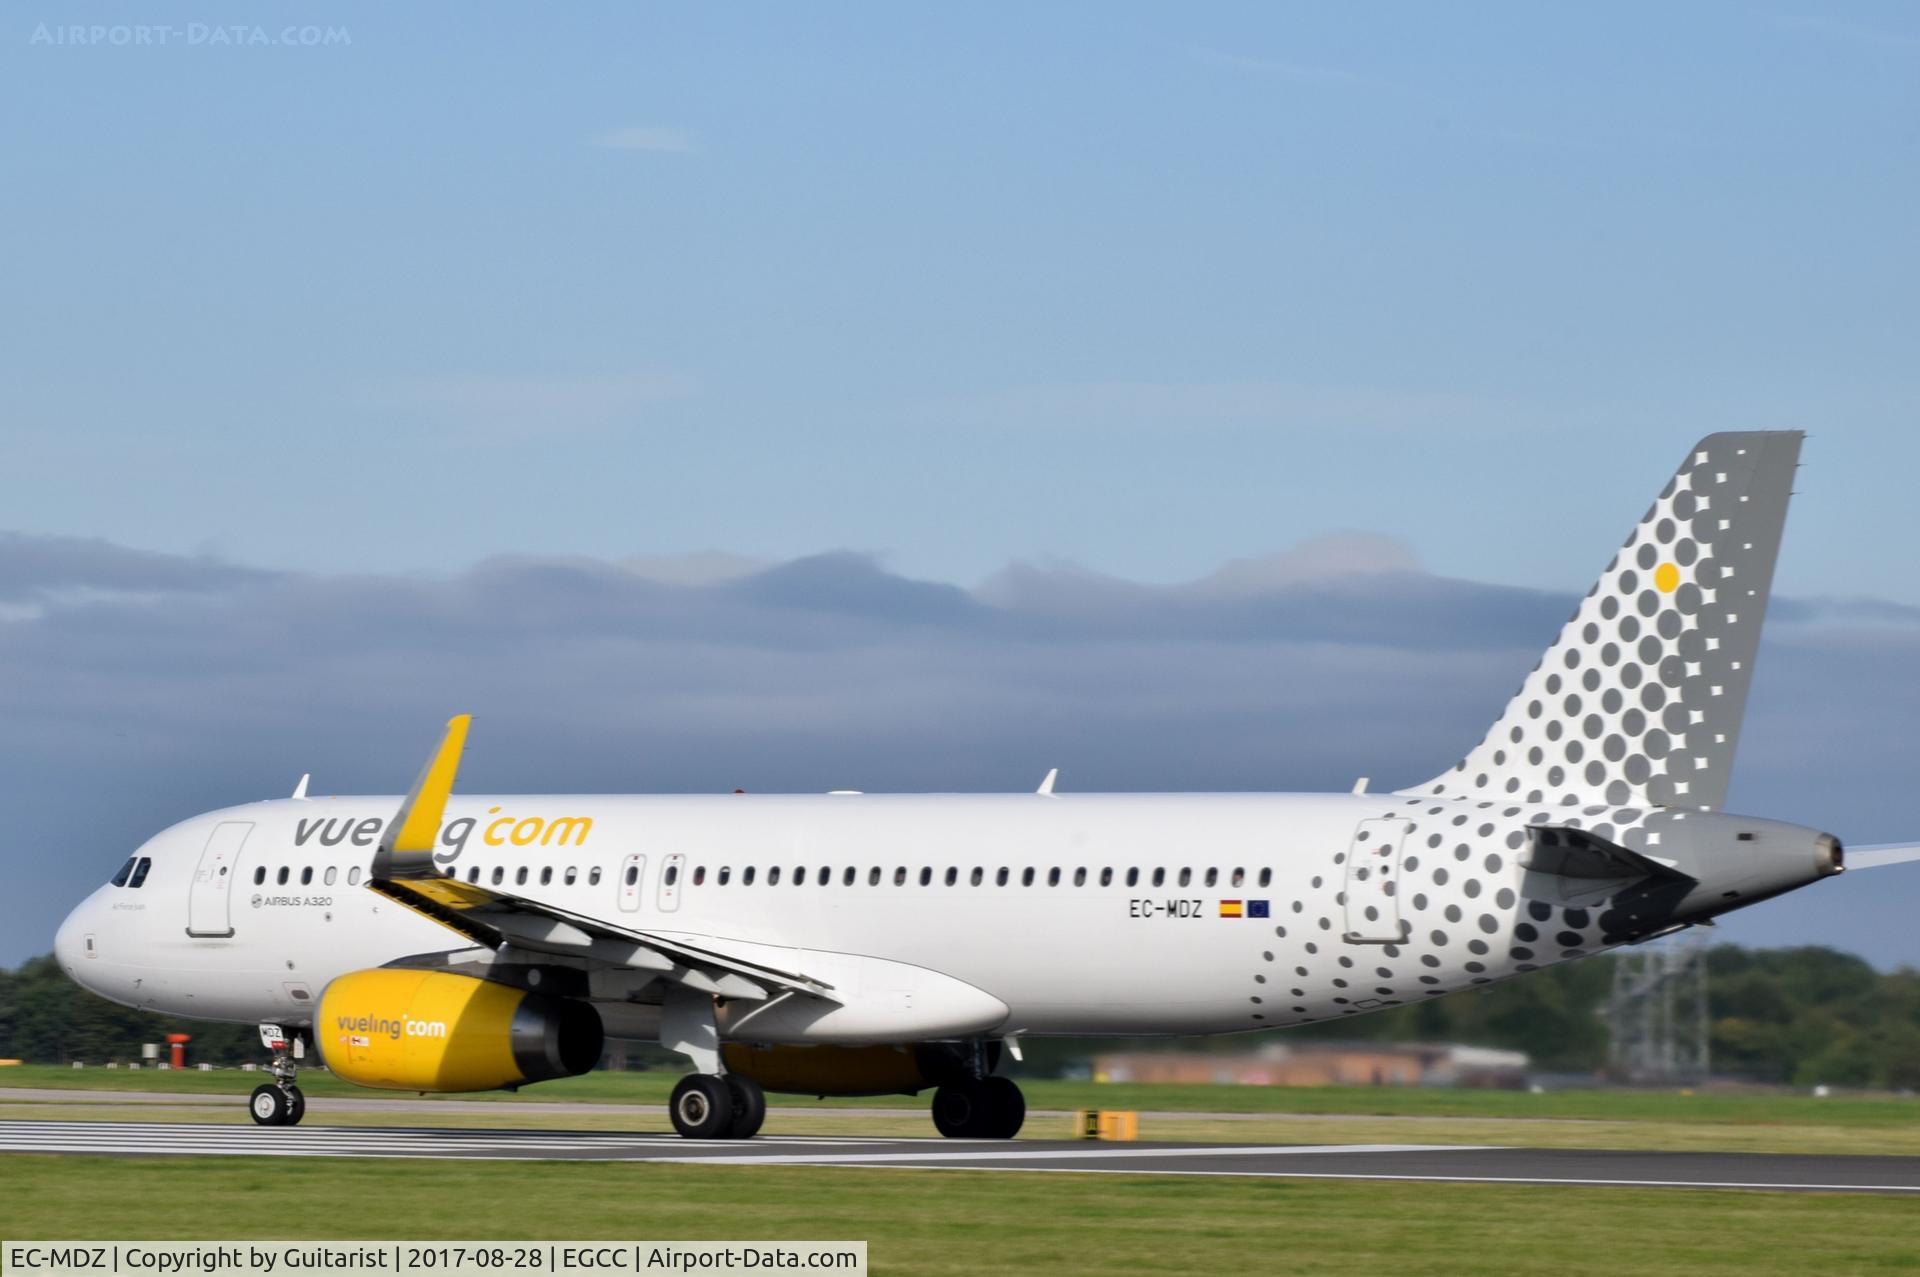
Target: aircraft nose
(73, 943)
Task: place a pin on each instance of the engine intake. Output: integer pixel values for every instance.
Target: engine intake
(405, 1030)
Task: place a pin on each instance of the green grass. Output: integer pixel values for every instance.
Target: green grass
(1586, 1105)
(965, 1222)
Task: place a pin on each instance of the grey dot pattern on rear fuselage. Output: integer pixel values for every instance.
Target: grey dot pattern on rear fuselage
(1463, 928)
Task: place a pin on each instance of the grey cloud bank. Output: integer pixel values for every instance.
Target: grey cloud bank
(141, 688)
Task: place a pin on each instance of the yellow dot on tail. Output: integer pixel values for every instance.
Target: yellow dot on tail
(1667, 578)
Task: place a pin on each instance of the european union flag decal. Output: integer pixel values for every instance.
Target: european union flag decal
(1256, 908)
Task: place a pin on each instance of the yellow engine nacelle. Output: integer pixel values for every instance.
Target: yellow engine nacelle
(850, 1070)
(407, 1030)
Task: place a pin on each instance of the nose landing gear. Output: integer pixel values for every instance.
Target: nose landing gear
(279, 1102)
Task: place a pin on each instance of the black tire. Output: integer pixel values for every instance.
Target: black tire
(958, 1111)
(749, 1107)
(1006, 1108)
(268, 1105)
(702, 1107)
(296, 1105)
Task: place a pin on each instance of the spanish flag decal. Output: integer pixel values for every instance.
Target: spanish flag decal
(1230, 909)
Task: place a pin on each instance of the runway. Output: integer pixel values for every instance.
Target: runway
(1440, 1162)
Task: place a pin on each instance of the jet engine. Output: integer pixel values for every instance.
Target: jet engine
(406, 1030)
(852, 1070)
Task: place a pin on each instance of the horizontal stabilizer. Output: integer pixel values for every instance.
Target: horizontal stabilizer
(1881, 855)
(1575, 853)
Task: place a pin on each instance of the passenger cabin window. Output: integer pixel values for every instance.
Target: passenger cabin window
(726, 873)
(331, 873)
(673, 874)
(873, 876)
(1266, 877)
(546, 875)
(799, 875)
(1239, 877)
(1053, 877)
(699, 875)
(353, 876)
(473, 874)
(139, 878)
(1159, 877)
(593, 876)
(1026, 877)
(1133, 877)
(281, 877)
(306, 876)
(571, 876)
(632, 875)
(1186, 876)
(746, 876)
(979, 875)
(900, 876)
(926, 875)
(126, 871)
(826, 875)
(1000, 878)
(499, 874)
(1080, 877)
(773, 876)
(953, 875)
(259, 873)
(1213, 877)
(848, 879)
(1106, 877)
(520, 876)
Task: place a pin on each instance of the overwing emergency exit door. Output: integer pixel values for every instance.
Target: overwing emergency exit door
(210, 897)
(1373, 882)
(671, 867)
(633, 876)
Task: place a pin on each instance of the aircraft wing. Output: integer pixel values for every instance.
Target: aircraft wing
(404, 872)
(1880, 855)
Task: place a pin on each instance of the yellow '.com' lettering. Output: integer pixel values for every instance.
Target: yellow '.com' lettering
(561, 831)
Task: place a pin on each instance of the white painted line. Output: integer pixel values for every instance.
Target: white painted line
(1435, 1179)
(1106, 1153)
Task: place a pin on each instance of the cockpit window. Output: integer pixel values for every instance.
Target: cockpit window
(140, 872)
(120, 879)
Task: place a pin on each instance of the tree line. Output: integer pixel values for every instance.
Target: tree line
(1804, 1016)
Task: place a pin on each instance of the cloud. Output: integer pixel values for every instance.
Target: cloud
(143, 688)
(1152, 405)
(1299, 73)
(647, 137)
(515, 408)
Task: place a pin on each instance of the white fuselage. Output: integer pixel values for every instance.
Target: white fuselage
(931, 916)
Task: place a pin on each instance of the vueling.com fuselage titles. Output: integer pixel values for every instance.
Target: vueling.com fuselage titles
(498, 827)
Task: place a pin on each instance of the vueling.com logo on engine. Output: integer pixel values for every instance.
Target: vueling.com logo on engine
(367, 1026)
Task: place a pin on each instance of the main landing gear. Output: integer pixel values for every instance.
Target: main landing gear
(723, 1107)
(279, 1102)
(987, 1108)
(710, 1104)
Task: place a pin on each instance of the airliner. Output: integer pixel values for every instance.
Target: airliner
(860, 944)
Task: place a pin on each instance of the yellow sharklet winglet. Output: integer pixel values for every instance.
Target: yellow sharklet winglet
(407, 850)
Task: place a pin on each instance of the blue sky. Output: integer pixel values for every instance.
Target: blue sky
(292, 335)
(1141, 288)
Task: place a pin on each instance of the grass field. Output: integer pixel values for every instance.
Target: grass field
(937, 1222)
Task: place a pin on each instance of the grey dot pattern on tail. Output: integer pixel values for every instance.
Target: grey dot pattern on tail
(1639, 701)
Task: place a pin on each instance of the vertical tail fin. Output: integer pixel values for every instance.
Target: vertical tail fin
(1639, 701)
